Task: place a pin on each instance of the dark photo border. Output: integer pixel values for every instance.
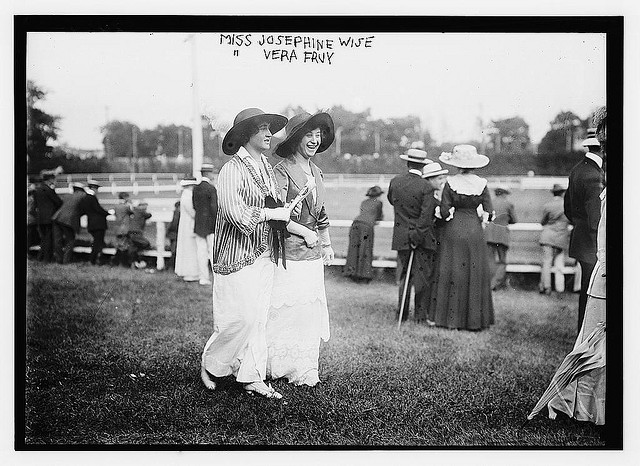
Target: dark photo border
(612, 26)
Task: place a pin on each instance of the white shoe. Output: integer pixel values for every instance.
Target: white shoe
(262, 389)
(205, 282)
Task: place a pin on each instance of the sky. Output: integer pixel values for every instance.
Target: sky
(449, 80)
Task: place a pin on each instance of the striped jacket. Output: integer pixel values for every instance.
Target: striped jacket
(240, 236)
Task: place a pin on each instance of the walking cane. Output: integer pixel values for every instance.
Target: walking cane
(406, 286)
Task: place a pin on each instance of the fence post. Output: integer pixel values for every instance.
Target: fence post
(160, 237)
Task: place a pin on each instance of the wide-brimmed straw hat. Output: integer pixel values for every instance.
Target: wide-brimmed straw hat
(416, 155)
(77, 186)
(93, 183)
(464, 156)
(374, 191)
(301, 124)
(433, 169)
(591, 140)
(188, 181)
(246, 119)
(558, 188)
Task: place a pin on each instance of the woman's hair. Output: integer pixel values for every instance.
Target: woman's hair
(293, 143)
(247, 134)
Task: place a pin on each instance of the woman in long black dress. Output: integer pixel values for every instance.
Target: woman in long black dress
(463, 296)
(360, 253)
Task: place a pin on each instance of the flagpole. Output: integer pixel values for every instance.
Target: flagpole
(197, 143)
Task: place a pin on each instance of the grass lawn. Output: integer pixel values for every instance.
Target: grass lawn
(112, 357)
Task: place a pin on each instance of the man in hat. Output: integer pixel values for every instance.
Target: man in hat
(45, 203)
(96, 221)
(582, 208)
(554, 239)
(412, 199)
(498, 236)
(66, 223)
(205, 203)
(436, 176)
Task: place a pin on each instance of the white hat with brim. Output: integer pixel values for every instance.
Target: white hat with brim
(188, 182)
(591, 142)
(416, 155)
(93, 183)
(464, 156)
(433, 169)
(77, 185)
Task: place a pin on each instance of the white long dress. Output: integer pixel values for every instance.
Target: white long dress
(298, 320)
(186, 251)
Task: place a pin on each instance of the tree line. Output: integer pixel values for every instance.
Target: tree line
(362, 144)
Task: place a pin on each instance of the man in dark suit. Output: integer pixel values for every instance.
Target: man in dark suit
(66, 223)
(582, 208)
(96, 221)
(45, 203)
(414, 204)
(205, 203)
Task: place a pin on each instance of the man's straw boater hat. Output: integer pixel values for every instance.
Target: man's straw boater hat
(433, 169)
(301, 124)
(591, 140)
(249, 118)
(416, 155)
(188, 180)
(464, 156)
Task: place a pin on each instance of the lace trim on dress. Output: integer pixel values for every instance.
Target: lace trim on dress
(469, 184)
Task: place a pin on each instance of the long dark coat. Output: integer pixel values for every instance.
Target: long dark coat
(582, 208)
(71, 210)
(412, 198)
(96, 215)
(205, 203)
(46, 203)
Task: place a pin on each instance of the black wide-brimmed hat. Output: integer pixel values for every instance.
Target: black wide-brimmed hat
(374, 191)
(302, 123)
(500, 190)
(246, 119)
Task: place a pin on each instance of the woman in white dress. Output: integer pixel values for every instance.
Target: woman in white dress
(186, 253)
(243, 263)
(298, 317)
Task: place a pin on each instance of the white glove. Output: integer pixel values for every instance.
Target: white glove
(279, 213)
(327, 255)
(311, 238)
(327, 251)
